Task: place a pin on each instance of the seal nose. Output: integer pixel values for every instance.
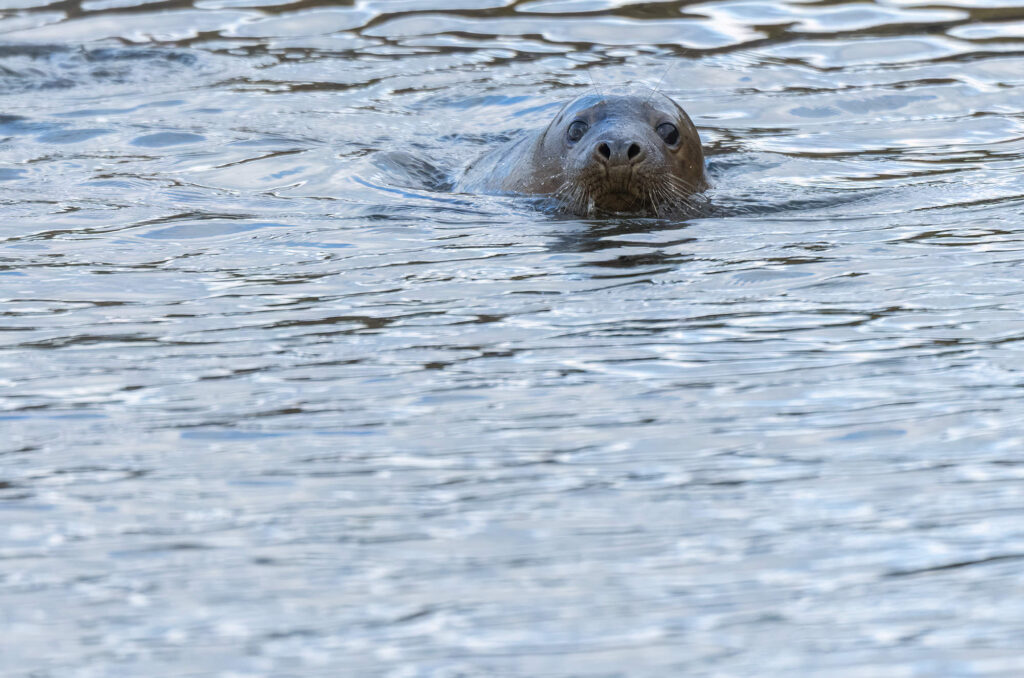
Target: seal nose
(618, 152)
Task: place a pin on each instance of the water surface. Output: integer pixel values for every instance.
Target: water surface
(274, 402)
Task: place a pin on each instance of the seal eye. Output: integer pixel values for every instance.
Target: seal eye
(576, 130)
(669, 133)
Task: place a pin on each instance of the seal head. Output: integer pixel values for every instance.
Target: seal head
(635, 152)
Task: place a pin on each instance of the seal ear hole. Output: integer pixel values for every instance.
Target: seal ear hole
(668, 132)
(576, 130)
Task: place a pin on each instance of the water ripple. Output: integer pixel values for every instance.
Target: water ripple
(276, 402)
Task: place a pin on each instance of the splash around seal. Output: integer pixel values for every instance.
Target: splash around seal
(627, 151)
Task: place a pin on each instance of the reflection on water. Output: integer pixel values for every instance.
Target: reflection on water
(275, 402)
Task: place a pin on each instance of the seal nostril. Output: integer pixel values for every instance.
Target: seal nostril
(605, 151)
(633, 151)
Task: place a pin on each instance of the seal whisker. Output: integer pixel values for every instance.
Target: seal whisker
(593, 81)
(682, 191)
(566, 194)
(583, 201)
(676, 196)
(573, 195)
(657, 87)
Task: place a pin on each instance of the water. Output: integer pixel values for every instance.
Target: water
(274, 402)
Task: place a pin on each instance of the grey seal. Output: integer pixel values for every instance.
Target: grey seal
(634, 151)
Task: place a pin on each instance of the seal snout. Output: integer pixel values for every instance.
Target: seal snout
(614, 152)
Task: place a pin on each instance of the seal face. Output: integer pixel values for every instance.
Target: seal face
(634, 152)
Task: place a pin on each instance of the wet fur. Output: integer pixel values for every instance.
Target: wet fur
(666, 180)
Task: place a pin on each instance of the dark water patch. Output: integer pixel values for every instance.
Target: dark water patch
(27, 68)
(72, 136)
(938, 569)
(162, 139)
(228, 435)
(209, 229)
(16, 124)
(407, 169)
(95, 112)
(11, 174)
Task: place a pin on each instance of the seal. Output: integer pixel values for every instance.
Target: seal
(634, 151)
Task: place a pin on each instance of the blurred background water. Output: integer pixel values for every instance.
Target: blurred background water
(274, 402)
